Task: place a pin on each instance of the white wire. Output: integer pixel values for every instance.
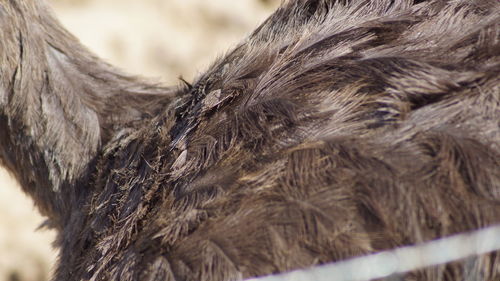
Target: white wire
(405, 259)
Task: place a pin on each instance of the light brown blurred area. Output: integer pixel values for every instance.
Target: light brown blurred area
(163, 39)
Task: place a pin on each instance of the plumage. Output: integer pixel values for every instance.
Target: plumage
(336, 129)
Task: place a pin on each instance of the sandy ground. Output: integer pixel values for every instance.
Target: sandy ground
(159, 38)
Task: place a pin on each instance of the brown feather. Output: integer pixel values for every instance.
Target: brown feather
(336, 129)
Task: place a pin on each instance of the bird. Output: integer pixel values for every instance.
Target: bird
(336, 129)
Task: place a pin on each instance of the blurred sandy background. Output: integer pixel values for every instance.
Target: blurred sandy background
(159, 38)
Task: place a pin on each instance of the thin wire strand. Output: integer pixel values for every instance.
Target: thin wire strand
(401, 260)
